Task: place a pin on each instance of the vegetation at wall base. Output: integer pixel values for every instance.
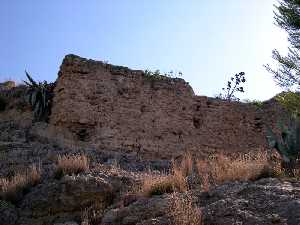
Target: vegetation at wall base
(39, 95)
(287, 143)
(287, 76)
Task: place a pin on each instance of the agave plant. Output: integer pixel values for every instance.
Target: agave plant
(288, 143)
(39, 96)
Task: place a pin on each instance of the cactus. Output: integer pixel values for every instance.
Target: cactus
(288, 144)
(39, 96)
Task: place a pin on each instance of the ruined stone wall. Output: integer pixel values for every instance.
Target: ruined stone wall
(121, 109)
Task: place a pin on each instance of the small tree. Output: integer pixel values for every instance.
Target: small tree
(234, 85)
(287, 17)
(287, 75)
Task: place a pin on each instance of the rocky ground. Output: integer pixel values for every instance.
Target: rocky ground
(103, 195)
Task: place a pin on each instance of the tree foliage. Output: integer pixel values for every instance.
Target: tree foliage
(290, 101)
(287, 17)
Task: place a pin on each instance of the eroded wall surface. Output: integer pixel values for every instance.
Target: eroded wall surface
(120, 109)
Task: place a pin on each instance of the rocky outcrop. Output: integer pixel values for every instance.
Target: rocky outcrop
(116, 108)
(264, 202)
(64, 200)
(267, 201)
(144, 211)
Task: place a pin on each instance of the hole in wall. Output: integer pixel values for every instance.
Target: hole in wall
(82, 135)
(196, 123)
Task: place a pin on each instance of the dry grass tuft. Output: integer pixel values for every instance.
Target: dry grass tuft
(34, 175)
(157, 185)
(12, 189)
(221, 168)
(168, 183)
(71, 164)
(282, 172)
(176, 181)
(93, 214)
(296, 173)
(183, 212)
(186, 165)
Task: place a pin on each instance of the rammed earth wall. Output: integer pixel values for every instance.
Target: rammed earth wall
(117, 108)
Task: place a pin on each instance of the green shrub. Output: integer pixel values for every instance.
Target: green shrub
(157, 75)
(9, 84)
(257, 103)
(290, 101)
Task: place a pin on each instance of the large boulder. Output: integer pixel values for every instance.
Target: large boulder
(264, 202)
(141, 212)
(65, 200)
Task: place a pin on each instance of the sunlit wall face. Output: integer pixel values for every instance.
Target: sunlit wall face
(207, 40)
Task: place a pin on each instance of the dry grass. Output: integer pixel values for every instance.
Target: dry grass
(34, 175)
(12, 189)
(157, 185)
(282, 172)
(220, 169)
(296, 173)
(71, 164)
(176, 181)
(93, 214)
(214, 171)
(186, 165)
(183, 212)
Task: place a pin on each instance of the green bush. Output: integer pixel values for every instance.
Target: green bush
(290, 101)
(157, 75)
(259, 104)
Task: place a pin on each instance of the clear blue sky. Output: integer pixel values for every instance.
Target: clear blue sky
(207, 40)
